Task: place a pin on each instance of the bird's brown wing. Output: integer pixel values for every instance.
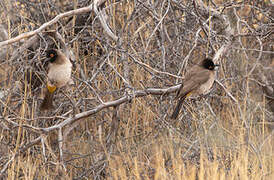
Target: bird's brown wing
(193, 81)
(192, 72)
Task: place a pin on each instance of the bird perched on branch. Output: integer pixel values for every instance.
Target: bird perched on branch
(198, 81)
(59, 75)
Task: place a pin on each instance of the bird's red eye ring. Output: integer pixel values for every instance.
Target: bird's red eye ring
(51, 55)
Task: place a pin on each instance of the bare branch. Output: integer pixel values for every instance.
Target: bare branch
(103, 21)
(70, 120)
(45, 25)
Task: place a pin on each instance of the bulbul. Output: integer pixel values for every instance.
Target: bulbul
(59, 74)
(198, 81)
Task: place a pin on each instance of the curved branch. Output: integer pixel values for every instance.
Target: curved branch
(103, 21)
(45, 25)
(124, 99)
(137, 94)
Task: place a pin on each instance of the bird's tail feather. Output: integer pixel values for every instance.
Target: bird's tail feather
(48, 101)
(178, 107)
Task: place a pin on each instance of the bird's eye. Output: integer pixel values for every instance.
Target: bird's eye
(51, 55)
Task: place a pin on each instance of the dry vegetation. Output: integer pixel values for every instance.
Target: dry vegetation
(227, 134)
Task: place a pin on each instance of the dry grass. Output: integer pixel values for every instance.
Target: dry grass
(214, 137)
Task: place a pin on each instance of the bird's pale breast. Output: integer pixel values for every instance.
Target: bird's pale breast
(60, 74)
(205, 88)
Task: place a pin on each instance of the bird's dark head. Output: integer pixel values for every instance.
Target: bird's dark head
(52, 55)
(208, 64)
